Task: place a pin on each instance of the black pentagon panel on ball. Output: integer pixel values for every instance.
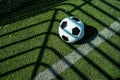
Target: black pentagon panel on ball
(64, 24)
(75, 31)
(64, 38)
(76, 19)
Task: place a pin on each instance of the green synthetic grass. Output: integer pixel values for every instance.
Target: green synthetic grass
(29, 40)
(97, 65)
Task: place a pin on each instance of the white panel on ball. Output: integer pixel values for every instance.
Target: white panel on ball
(71, 29)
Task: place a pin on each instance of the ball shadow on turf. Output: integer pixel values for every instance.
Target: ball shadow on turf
(90, 34)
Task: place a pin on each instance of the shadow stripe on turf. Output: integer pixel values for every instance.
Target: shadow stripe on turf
(84, 49)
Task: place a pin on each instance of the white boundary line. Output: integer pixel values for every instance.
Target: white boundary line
(71, 58)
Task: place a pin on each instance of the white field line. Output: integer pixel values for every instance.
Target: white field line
(71, 58)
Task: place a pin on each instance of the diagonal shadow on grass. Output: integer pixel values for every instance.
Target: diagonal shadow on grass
(70, 14)
(100, 22)
(94, 65)
(44, 44)
(24, 28)
(34, 63)
(101, 10)
(106, 56)
(26, 51)
(107, 3)
(38, 63)
(42, 52)
(47, 66)
(110, 59)
(89, 15)
(110, 43)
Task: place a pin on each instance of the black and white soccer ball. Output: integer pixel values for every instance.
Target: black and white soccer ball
(71, 29)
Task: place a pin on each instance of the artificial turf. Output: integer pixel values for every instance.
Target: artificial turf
(102, 63)
(30, 43)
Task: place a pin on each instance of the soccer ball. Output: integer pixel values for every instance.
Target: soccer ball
(71, 29)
